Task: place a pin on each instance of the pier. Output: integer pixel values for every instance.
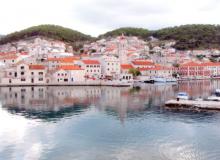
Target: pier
(193, 105)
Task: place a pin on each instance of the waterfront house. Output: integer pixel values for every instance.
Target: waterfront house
(110, 67)
(92, 68)
(68, 74)
(142, 64)
(156, 71)
(24, 74)
(125, 68)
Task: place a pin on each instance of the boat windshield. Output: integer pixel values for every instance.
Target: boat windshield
(182, 94)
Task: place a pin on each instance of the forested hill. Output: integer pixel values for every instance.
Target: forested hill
(50, 31)
(191, 36)
(186, 36)
(129, 31)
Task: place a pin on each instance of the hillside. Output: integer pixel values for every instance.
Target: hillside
(129, 31)
(191, 36)
(70, 36)
(186, 36)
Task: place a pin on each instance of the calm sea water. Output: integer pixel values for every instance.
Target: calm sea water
(106, 123)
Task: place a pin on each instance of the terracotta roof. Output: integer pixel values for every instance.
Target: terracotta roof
(36, 67)
(9, 57)
(210, 64)
(69, 67)
(64, 60)
(190, 64)
(126, 66)
(156, 68)
(90, 62)
(142, 62)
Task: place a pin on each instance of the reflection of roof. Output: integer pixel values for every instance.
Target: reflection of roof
(90, 62)
(36, 67)
(69, 67)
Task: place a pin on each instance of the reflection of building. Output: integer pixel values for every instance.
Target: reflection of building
(119, 100)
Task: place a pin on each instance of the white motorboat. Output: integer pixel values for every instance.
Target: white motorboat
(164, 79)
(182, 95)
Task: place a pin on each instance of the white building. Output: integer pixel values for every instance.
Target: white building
(24, 74)
(68, 74)
(110, 66)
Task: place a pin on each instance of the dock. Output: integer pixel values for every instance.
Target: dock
(193, 105)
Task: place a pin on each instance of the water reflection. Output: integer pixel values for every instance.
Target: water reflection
(58, 102)
(111, 123)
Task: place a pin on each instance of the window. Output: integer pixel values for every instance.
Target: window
(23, 79)
(40, 73)
(4, 61)
(15, 74)
(40, 79)
(65, 80)
(9, 80)
(13, 60)
(22, 67)
(32, 73)
(22, 73)
(58, 74)
(10, 73)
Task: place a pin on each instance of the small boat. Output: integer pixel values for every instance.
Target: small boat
(182, 95)
(164, 79)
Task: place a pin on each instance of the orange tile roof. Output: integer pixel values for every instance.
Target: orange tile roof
(64, 60)
(9, 57)
(210, 64)
(90, 62)
(190, 64)
(69, 67)
(36, 67)
(142, 62)
(126, 66)
(156, 68)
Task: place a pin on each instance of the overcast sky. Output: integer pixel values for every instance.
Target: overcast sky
(95, 17)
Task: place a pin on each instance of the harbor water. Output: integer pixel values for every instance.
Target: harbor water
(106, 123)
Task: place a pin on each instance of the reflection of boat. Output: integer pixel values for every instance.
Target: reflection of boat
(182, 95)
(215, 96)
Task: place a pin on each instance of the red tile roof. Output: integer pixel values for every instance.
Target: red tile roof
(126, 66)
(69, 67)
(36, 67)
(142, 62)
(90, 62)
(64, 60)
(190, 64)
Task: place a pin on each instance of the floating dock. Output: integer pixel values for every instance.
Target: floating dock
(193, 105)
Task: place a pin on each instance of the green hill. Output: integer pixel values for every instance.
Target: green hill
(128, 31)
(191, 36)
(186, 36)
(51, 31)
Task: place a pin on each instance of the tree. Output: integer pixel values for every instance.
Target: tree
(135, 72)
